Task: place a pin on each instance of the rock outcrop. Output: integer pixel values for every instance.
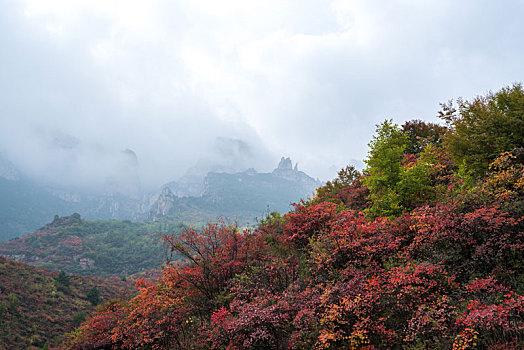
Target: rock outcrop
(286, 170)
(285, 164)
(164, 205)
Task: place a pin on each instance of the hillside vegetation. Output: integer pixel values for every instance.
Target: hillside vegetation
(102, 248)
(37, 305)
(424, 250)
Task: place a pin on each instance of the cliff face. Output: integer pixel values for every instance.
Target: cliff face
(285, 164)
(164, 205)
(26, 205)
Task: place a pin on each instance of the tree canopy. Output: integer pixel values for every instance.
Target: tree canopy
(480, 129)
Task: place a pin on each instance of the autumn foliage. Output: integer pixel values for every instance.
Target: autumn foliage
(38, 306)
(422, 258)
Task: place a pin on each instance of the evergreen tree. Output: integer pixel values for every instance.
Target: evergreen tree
(93, 296)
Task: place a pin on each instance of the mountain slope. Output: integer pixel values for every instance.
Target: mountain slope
(417, 252)
(38, 305)
(103, 248)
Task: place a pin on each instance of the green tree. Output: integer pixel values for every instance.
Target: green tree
(4, 306)
(78, 318)
(421, 177)
(93, 296)
(63, 282)
(421, 134)
(63, 279)
(397, 180)
(384, 169)
(483, 128)
(13, 303)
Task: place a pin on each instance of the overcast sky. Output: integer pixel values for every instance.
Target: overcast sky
(182, 81)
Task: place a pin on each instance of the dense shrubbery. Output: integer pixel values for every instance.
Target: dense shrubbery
(415, 253)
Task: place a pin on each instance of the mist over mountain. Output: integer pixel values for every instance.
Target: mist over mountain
(216, 186)
(63, 160)
(7, 169)
(83, 81)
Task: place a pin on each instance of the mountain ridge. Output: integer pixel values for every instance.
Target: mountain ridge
(27, 205)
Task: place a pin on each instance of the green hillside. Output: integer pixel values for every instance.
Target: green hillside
(102, 248)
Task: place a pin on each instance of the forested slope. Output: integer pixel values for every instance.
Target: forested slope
(101, 248)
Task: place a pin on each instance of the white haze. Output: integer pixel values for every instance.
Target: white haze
(81, 81)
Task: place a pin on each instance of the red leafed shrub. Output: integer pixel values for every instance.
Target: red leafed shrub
(347, 189)
(442, 273)
(215, 255)
(357, 242)
(97, 332)
(496, 325)
(307, 221)
(155, 317)
(487, 289)
(279, 321)
(354, 196)
(485, 240)
(167, 313)
(401, 306)
(218, 331)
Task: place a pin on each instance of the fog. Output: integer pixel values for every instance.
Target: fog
(85, 86)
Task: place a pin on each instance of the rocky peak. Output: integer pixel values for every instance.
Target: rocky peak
(285, 164)
(286, 170)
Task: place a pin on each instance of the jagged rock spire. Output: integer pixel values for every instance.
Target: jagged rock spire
(285, 164)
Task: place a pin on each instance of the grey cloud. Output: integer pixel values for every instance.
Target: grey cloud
(307, 79)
